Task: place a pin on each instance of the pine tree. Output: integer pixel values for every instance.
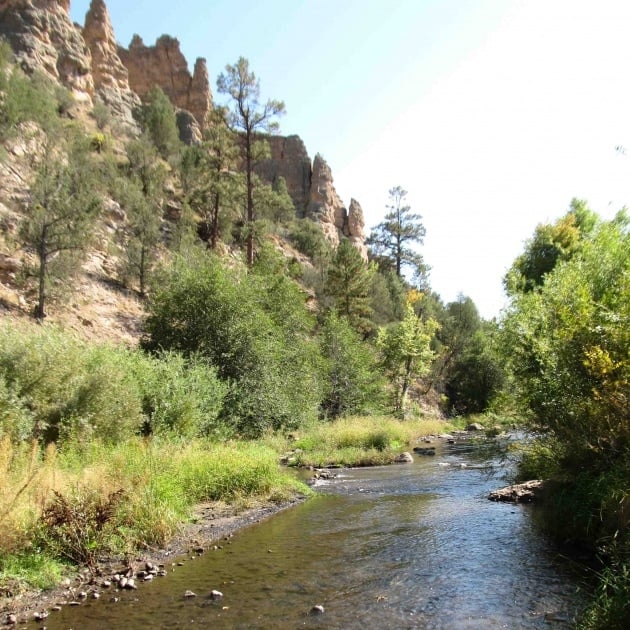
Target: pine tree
(391, 239)
(349, 283)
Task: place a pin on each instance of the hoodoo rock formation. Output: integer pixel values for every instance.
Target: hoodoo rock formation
(111, 78)
(90, 63)
(165, 66)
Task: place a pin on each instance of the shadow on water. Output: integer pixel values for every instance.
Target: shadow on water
(407, 546)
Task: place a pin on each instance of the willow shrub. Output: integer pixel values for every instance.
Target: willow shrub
(55, 387)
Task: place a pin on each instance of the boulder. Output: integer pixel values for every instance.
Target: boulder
(518, 493)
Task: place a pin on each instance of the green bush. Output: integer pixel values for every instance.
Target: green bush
(254, 327)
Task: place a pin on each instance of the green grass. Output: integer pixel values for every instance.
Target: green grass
(357, 441)
(51, 501)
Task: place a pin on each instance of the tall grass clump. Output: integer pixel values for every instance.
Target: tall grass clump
(360, 441)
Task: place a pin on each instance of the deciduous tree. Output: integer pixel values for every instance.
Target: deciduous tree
(406, 354)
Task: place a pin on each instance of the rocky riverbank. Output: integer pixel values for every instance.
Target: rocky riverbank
(212, 527)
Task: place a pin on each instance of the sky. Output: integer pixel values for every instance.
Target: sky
(492, 114)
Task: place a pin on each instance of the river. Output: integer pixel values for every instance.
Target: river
(406, 546)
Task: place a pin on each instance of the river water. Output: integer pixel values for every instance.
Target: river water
(406, 546)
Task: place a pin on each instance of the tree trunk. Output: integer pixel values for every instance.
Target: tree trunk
(214, 231)
(40, 309)
(250, 198)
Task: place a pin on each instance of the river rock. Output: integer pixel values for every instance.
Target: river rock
(518, 493)
(189, 594)
(475, 426)
(318, 609)
(216, 594)
(404, 458)
(426, 451)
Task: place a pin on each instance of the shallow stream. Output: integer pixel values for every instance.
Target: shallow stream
(406, 546)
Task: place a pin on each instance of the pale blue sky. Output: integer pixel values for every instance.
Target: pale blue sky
(493, 114)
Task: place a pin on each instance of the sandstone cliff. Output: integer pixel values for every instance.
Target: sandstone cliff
(90, 63)
(165, 66)
(44, 38)
(111, 78)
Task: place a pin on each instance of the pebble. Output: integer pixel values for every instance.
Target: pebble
(216, 594)
(189, 594)
(318, 609)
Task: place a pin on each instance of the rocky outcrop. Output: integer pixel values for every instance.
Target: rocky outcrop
(44, 38)
(111, 79)
(290, 160)
(326, 207)
(355, 228)
(165, 66)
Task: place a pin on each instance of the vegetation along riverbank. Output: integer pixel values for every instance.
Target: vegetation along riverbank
(186, 302)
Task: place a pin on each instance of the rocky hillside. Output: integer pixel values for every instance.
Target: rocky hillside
(93, 67)
(88, 62)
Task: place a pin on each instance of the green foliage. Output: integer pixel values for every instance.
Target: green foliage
(550, 245)
(56, 388)
(249, 118)
(158, 120)
(353, 384)
(212, 185)
(62, 211)
(567, 343)
(391, 239)
(476, 375)
(348, 284)
(405, 353)
(309, 239)
(387, 297)
(253, 328)
(568, 347)
(24, 98)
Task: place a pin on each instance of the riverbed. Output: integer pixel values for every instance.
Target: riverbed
(406, 546)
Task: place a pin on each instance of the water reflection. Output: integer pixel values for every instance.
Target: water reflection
(409, 546)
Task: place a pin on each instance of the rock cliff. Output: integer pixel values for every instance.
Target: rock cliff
(111, 78)
(90, 63)
(313, 192)
(165, 66)
(44, 38)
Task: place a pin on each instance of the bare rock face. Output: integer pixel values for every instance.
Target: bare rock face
(325, 205)
(355, 226)
(44, 38)
(165, 66)
(290, 160)
(111, 79)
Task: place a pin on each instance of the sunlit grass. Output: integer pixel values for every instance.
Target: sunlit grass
(358, 440)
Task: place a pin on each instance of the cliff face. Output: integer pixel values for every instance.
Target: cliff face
(165, 66)
(89, 62)
(111, 78)
(44, 38)
(313, 192)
